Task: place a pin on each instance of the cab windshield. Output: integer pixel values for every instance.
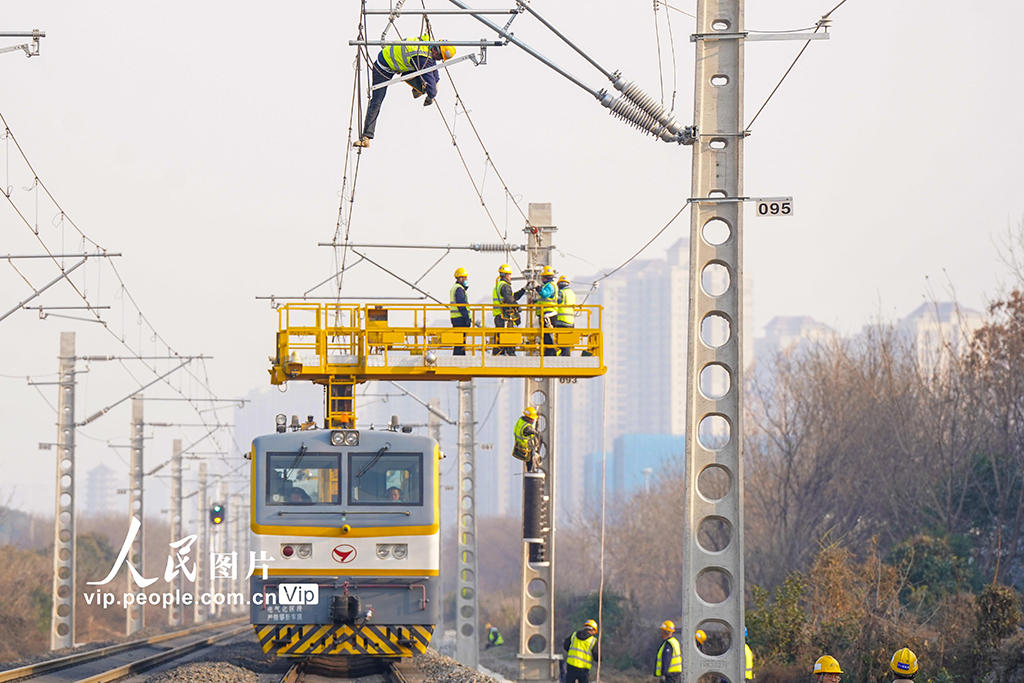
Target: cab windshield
(309, 479)
(385, 479)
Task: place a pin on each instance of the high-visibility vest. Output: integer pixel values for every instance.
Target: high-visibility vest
(456, 313)
(547, 304)
(494, 636)
(750, 662)
(499, 309)
(566, 300)
(580, 655)
(675, 665)
(399, 57)
(522, 440)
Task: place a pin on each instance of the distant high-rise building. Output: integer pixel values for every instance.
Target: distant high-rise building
(936, 330)
(101, 490)
(785, 333)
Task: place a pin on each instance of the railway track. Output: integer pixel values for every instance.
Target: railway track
(117, 661)
(350, 670)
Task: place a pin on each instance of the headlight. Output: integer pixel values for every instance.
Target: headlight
(351, 438)
(304, 550)
(400, 551)
(281, 421)
(337, 438)
(383, 551)
(345, 438)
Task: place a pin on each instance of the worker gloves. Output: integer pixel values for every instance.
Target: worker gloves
(429, 101)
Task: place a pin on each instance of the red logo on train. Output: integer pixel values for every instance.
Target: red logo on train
(343, 554)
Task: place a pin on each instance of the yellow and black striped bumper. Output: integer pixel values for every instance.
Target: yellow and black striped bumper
(337, 639)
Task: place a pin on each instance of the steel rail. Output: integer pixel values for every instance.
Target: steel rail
(81, 657)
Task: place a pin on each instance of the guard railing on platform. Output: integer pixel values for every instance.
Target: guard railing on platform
(417, 341)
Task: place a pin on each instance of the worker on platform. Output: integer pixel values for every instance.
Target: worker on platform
(669, 665)
(459, 306)
(566, 311)
(749, 671)
(903, 665)
(525, 436)
(506, 312)
(581, 647)
(410, 56)
(493, 637)
(827, 669)
(547, 299)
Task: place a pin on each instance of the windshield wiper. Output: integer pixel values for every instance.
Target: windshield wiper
(373, 461)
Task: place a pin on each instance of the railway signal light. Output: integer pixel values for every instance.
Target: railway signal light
(217, 513)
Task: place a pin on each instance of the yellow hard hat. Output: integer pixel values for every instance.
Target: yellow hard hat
(505, 269)
(668, 626)
(904, 662)
(563, 279)
(548, 270)
(447, 52)
(700, 636)
(827, 664)
(591, 624)
(461, 272)
(488, 626)
(530, 412)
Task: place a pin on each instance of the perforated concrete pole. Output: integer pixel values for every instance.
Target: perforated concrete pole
(135, 614)
(174, 614)
(538, 660)
(202, 548)
(62, 630)
(713, 518)
(467, 620)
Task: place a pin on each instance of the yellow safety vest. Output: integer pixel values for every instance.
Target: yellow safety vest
(566, 300)
(750, 662)
(456, 313)
(522, 440)
(499, 308)
(580, 652)
(399, 57)
(675, 666)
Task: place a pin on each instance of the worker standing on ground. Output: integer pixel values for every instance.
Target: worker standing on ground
(701, 637)
(566, 316)
(412, 55)
(525, 436)
(827, 669)
(494, 638)
(749, 674)
(459, 306)
(581, 647)
(506, 312)
(904, 665)
(547, 299)
(669, 665)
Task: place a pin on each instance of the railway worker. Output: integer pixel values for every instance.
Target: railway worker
(701, 637)
(505, 310)
(903, 665)
(749, 672)
(566, 311)
(494, 638)
(669, 665)
(582, 648)
(827, 669)
(403, 59)
(459, 306)
(548, 300)
(394, 494)
(524, 434)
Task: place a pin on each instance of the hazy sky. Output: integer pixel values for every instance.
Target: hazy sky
(206, 143)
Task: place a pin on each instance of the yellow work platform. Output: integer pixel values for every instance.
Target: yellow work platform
(326, 342)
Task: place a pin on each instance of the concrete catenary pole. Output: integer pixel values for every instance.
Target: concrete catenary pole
(467, 639)
(62, 631)
(538, 659)
(135, 615)
(202, 548)
(177, 587)
(712, 577)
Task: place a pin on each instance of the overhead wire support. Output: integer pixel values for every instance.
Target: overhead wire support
(471, 247)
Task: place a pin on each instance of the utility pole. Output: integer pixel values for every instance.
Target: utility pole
(467, 641)
(136, 614)
(62, 630)
(538, 660)
(174, 615)
(202, 547)
(238, 546)
(713, 584)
